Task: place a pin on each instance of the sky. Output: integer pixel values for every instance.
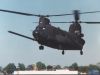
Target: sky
(14, 49)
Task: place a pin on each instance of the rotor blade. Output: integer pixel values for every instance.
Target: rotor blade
(57, 15)
(61, 22)
(27, 14)
(21, 35)
(21, 13)
(90, 22)
(56, 22)
(73, 22)
(73, 14)
(90, 12)
(79, 22)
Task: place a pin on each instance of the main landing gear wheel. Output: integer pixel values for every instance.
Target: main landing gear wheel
(41, 47)
(81, 52)
(63, 52)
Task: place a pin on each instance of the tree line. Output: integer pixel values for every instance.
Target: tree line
(10, 68)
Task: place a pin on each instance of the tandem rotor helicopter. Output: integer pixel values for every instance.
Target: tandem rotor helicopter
(47, 35)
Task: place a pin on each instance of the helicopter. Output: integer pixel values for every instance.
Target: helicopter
(54, 37)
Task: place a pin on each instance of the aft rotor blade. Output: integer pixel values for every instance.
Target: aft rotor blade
(90, 22)
(73, 14)
(78, 22)
(90, 12)
(21, 13)
(21, 35)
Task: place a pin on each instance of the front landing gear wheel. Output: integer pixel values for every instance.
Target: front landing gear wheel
(63, 52)
(81, 52)
(41, 47)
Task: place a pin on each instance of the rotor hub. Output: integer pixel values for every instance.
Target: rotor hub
(76, 15)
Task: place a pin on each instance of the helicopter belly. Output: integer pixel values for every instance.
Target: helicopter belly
(60, 44)
(66, 43)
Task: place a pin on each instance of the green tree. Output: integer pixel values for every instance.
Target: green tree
(91, 66)
(65, 67)
(40, 66)
(74, 66)
(1, 69)
(57, 67)
(31, 67)
(83, 69)
(49, 67)
(21, 66)
(10, 68)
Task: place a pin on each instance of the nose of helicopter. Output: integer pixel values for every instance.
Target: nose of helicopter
(35, 34)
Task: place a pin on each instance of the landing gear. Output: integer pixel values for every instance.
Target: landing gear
(41, 47)
(63, 52)
(81, 52)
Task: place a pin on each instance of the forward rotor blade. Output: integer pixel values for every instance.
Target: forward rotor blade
(21, 35)
(21, 13)
(56, 22)
(57, 15)
(73, 22)
(61, 22)
(27, 14)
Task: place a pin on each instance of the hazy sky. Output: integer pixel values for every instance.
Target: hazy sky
(16, 49)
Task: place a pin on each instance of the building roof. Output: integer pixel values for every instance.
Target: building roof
(46, 72)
